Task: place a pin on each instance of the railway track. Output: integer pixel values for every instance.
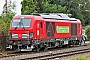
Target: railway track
(58, 55)
(46, 55)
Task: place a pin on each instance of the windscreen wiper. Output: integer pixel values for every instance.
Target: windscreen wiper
(20, 23)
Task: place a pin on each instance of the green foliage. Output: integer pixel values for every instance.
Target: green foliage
(81, 58)
(6, 18)
(53, 8)
(88, 32)
(77, 14)
(3, 26)
(40, 6)
(5, 22)
(4, 54)
(78, 8)
(28, 6)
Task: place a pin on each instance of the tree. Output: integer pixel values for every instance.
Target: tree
(88, 32)
(9, 7)
(53, 8)
(2, 25)
(6, 18)
(77, 8)
(41, 6)
(29, 6)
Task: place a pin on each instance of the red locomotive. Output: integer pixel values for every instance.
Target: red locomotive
(36, 31)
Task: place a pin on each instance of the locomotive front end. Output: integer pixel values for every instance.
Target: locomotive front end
(21, 33)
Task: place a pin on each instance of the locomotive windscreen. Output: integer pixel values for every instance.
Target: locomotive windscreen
(21, 23)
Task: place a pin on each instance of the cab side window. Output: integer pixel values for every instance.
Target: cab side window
(41, 25)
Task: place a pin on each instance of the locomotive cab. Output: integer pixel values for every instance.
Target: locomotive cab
(21, 32)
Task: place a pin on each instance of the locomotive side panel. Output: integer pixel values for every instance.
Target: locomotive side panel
(62, 29)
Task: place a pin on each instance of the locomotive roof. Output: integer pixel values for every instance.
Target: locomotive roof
(58, 16)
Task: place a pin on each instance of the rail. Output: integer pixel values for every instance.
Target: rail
(50, 54)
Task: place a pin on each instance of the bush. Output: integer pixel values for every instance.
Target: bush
(5, 22)
(88, 32)
(3, 26)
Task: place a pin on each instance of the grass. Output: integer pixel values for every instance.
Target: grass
(81, 58)
(4, 54)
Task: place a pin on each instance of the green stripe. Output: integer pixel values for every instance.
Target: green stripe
(62, 29)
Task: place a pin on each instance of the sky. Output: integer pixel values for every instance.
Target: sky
(17, 9)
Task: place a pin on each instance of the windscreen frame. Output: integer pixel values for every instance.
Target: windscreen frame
(23, 22)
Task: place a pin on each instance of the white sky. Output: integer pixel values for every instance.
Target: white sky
(18, 6)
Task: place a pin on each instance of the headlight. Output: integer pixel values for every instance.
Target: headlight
(11, 35)
(25, 35)
(14, 35)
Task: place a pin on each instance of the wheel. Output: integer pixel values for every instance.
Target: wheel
(83, 37)
(57, 44)
(82, 42)
(74, 43)
(45, 47)
(36, 49)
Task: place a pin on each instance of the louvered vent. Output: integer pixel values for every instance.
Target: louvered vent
(73, 29)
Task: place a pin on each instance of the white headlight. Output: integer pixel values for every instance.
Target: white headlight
(14, 35)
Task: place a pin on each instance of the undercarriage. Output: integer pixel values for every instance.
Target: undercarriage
(35, 45)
